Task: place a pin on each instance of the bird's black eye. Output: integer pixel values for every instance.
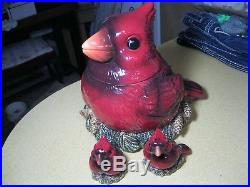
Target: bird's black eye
(133, 43)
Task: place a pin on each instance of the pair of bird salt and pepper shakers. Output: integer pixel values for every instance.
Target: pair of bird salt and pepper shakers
(133, 99)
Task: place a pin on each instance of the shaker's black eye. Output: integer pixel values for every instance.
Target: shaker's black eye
(133, 43)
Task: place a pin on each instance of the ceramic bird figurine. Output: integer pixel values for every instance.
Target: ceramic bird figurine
(104, 151)
(127, 83)
(165, 156)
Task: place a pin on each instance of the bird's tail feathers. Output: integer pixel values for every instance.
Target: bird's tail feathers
(193, 90)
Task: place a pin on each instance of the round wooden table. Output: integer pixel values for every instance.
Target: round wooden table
(51, 145)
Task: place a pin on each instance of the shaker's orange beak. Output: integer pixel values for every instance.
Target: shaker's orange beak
(99, 159)
(98, 47)
(158, 151)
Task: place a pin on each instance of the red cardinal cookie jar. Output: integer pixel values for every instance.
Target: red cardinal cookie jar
(127, 84)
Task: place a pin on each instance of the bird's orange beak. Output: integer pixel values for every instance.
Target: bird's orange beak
(98, 47)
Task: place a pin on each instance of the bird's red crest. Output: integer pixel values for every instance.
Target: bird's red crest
(103, 143)
(147, 11)
(158, 135)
